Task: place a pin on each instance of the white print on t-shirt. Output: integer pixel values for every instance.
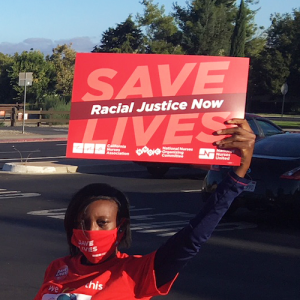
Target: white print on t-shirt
(95, 286)
(53, 288)
(66, 296)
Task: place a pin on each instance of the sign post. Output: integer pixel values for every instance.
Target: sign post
(284, 90)
(25, 79)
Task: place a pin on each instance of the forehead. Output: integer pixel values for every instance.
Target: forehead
(101, 208)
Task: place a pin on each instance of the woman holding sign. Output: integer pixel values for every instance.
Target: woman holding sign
(97, 223)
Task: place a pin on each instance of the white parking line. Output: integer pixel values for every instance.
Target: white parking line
(5, 194)
(21, 195)
(64, 130)
(153, 216)
(191, 191)
(152, 223)
(14, 151)
(254, 246)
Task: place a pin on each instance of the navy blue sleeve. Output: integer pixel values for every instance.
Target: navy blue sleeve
(172, 256)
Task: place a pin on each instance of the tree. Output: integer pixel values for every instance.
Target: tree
(6, 92)
(42, 70)
(125, 38)
(238, 39)
(206, 26)
(255, 36)
(63, 61)
(279, 61)
(162, 35)
(269, 71)
(284, 36)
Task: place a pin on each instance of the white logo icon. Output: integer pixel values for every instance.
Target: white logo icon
(100, 148)
(89, 148)
(206, 153)
(148, 151)
(77, 147)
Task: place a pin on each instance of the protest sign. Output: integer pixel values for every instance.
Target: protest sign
(156, 108)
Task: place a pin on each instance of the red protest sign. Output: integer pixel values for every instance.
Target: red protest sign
(159, 108)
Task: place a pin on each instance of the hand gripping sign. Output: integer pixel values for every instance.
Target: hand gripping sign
(157, 108)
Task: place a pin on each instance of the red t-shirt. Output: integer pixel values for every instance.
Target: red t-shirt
(124, 277)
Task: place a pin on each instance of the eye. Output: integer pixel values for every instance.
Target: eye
(102, 223)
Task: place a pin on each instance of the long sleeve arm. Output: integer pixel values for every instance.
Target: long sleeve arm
(179, 249)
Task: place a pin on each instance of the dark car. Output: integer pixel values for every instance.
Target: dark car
(275, 175)
(261, 126)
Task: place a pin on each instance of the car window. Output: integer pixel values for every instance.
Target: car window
(268, 128)
(253, 127)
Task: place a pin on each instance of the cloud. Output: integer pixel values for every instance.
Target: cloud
(79, 44)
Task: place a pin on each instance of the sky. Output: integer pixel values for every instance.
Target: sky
(43, 24)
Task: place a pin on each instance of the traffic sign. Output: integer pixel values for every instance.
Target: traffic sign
(284, 88)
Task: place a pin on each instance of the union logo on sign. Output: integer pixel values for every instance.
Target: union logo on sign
(206, 153)
(100, 148)
(77, 147)
(89, 148)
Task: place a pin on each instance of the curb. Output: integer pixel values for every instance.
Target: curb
(28, 140)
(38, 168)
(52, 167)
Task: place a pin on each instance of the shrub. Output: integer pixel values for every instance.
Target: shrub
(56, 103)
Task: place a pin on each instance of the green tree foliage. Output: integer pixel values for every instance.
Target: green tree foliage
(162, 35)
(269, 71)
(125, 38)
(63, 61)
(279, 62)
(255, 37)
(284, 36)
(206, 26)
(42, 70)
(255, 45)
(6, 92)
(238, 39)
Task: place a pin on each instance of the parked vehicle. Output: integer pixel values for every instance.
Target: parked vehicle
(261, 126)
(274, 171)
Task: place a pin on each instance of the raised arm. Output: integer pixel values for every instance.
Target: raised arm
(178, 250)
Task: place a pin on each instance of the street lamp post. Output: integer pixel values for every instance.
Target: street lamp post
(25, 79)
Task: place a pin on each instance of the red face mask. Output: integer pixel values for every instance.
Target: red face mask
(96, 245)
